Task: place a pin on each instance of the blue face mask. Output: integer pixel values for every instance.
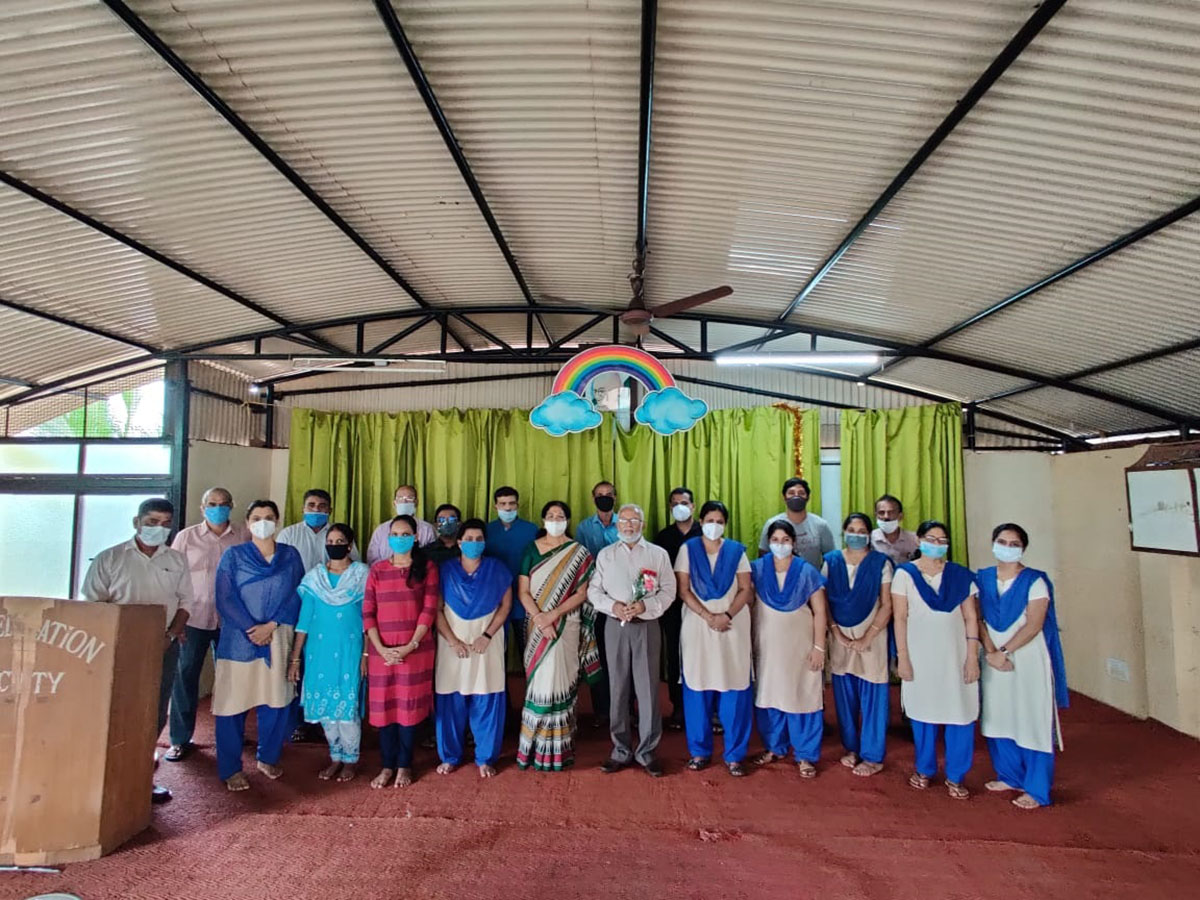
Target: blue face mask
(507, 516)
(856, 541)
(316, 519)
(401, 543)
(217, 515)
(472, 549)
(934, 551)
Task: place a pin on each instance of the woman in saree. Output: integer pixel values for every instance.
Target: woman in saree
(329, 642)
(560, 642)
(859, 587)
(256, 598)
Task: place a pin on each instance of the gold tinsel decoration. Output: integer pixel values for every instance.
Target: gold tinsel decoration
(797, 436)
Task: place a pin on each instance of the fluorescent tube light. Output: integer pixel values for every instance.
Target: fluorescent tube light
(798, 359)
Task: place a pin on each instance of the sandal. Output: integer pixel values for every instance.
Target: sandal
(957, 791)
(177, 752)
(237, 782)
(766, 758)
(697, 763)
(918, 781)
(807, 769)
(1026, 801)
(737, 770)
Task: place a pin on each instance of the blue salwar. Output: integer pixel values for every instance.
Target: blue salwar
(484, 713)
(1031, 771)
(862, 714)
(960, 749)
(801, 732)
(735, 710)
(273, 726)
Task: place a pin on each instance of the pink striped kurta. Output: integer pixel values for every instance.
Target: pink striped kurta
(401, 694)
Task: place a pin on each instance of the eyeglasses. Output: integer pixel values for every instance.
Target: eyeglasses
(629, 521)
(935, 540)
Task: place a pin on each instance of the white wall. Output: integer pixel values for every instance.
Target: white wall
(248, 472)
(1140, 609)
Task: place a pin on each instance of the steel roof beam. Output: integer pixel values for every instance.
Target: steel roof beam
(396, 31)
(645, 119)
(400, 335)
(196, 83)
(1033, 25)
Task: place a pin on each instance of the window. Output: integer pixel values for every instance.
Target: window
(35, 544)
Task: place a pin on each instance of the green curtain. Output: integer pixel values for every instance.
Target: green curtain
(740, 456)
(914, 453)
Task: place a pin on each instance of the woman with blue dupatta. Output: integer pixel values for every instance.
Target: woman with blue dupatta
(789, 652)
(1025, 680)
(937, 649)
(715, 586)
(256, 599)
(329, 640)
(859, 587)
(560, 641)
(468, 677)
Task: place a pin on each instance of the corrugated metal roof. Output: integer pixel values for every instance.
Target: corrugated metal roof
(949, 379)
(1074, 413)
(36, 350)
(1176, 376)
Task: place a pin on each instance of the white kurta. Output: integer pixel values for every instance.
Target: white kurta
(1019, 705)
(479, 673)
(241, 686)
(782, 642)
(937, 648)
(872, 665)
(715, 660)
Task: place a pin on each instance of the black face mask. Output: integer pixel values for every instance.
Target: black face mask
(604, 503)
(797, 504)
(337, 551)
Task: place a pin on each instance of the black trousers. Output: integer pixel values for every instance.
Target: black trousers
(671, 623)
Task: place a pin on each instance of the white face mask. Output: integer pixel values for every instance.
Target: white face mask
(262, 528)
(406, 508)
(781, 551)
(888, 527)
(1007, 554)
(713, 530)
(555, 527)
(153, 535)
(681, 512)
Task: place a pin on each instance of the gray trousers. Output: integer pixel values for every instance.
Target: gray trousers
(632, 655)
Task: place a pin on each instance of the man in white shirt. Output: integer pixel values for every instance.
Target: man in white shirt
(889, 538)
(633, 584)
(144, 570)
(405, 504)
(813, 536)
(308, 535)
(203, 545)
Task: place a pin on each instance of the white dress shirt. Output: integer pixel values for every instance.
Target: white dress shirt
(124, 574)
(618, 567)
(310, 544)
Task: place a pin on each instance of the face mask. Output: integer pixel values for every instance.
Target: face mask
(1007, 554)
(448, 527)
(888, 527)
(217, 515)
(337, 551)
(856, 541)
(262, 528)
(507, 516)
(797, 504)
(713, 530)
(781, 551)
(406, 508)
(153, 535)
(630, 538)
(472, 549)
(316, 519)
(401, 543)
(934, 551)
(605, 503)
(681, 512)
(555, 527)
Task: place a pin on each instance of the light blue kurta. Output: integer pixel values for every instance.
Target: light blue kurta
(332, 618)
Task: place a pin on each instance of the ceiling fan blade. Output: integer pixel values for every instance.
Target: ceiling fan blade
(685, 303)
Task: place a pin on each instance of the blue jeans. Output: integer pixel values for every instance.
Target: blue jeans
(185, 693)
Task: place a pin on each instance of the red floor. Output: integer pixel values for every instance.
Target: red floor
(1126, 824)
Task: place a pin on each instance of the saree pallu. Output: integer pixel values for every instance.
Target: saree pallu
(553, 664)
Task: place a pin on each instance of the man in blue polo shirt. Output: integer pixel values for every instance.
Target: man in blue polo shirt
(507, 537)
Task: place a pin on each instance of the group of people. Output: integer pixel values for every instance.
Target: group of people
(306, 632)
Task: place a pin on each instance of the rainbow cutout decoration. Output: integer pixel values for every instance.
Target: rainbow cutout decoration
(665, 408)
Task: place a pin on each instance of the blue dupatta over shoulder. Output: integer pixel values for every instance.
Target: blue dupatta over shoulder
(954, 589)
(1000, 611)
(801, 582)
(848, 605)
(712, 583)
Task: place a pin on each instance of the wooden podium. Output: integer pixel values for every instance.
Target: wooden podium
(78, 712)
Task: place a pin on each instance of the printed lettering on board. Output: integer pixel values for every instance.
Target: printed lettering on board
(68, 638)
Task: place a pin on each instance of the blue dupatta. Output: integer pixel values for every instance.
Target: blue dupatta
(848, 605)
(1000, 611)
(251, 591)
(954, 589)
(475, 595)
(712, 583)
(801, 582)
